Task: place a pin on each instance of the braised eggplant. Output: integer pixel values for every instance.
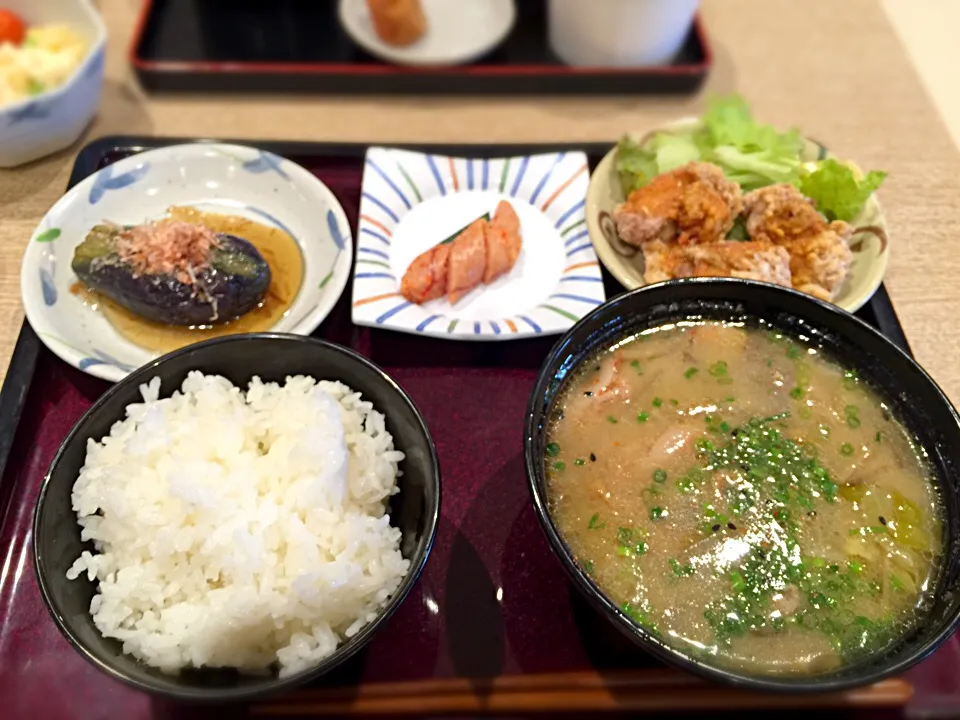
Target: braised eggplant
(230, 279)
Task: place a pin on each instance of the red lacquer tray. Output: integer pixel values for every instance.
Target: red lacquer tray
(493, 624)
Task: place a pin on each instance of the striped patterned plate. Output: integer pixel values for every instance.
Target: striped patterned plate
(412, 201)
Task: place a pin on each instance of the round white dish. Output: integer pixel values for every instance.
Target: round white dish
(869, 241)
(50, 121)
(458, 31)
(230, 179)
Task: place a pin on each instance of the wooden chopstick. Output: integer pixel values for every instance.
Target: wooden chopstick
(563, 692)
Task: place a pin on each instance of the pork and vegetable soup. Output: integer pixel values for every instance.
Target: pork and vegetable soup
(744, 497)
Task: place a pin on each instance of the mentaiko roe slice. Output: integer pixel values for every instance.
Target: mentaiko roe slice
(426, 278)
(468, 259)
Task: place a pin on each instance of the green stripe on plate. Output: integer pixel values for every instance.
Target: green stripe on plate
(503, 175)
(409, 180)
(560, 311)
(573, 227)
(381, 263)
(452, 325)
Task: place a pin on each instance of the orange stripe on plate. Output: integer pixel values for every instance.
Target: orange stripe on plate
(580, 265)
(376, 223)
(513, 328)
(375, 298)
(453, 174)
(563, 187)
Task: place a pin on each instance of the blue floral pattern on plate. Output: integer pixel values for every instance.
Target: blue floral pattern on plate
(265, 162)
(106, 180)
(47, 285)
(214, 178)
(101, 358)
(338, 240)
(48, 264)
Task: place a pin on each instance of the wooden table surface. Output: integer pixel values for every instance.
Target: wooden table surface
(834, 69)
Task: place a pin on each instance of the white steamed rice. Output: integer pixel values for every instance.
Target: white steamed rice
(240, 529)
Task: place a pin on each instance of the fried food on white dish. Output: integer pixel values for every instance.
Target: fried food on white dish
(820, 257)
(398, 22)
(680, 221)
(748, 260)
(692, 204)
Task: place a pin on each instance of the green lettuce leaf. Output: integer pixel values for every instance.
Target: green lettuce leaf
(639, 164)
(756, 169)
(749, 153)
(673, 151)
(728, 121)
(836, 191)
(636, 164)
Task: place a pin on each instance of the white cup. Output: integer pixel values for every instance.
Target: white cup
(619, 33)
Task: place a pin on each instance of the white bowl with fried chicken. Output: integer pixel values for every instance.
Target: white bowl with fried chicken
(697, 219)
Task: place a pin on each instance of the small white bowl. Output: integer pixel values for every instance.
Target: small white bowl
(51, 121)
(230, 179)
(458, 31)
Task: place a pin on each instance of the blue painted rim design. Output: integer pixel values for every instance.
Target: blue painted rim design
(367, 231)
(391, 183)
(117, 176)
(396, 181)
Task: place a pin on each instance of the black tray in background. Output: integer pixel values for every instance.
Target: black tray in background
(878, 312)
(298, 46)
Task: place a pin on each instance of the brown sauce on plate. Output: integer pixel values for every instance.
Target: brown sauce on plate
(286, 266)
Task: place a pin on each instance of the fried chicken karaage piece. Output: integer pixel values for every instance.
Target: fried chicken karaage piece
(820, 257)
(692, 204)
(749, 260)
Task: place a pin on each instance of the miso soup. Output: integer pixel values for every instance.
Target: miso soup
(744, 497)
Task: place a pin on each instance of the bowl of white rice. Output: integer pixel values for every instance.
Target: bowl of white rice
(236, 518)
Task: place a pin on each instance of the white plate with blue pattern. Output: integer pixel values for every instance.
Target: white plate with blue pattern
(229, 179)
(412, 201)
